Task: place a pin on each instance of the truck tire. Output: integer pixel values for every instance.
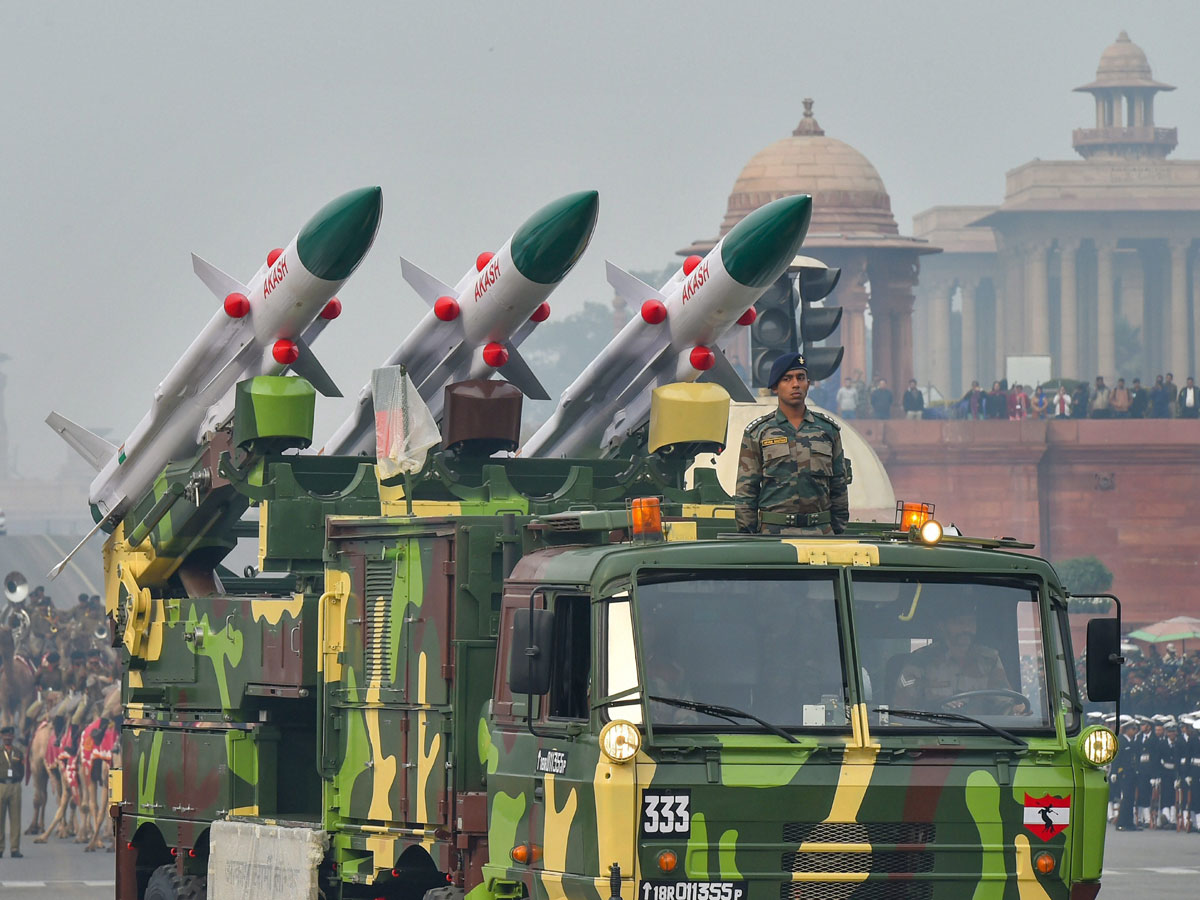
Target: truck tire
(167, 884)
(449, 892)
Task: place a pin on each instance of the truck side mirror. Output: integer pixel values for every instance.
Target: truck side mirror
(529, 656)
(1104, 660)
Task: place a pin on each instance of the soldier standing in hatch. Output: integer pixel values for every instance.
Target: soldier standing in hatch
(792, 475)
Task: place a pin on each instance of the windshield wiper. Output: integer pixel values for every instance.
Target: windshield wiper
(952, 717)
(725, 712)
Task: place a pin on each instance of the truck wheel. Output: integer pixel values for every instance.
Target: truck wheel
(449, 892)
(167, 884)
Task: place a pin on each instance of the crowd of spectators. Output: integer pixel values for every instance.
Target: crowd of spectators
(1062, 400)
(1166, 683)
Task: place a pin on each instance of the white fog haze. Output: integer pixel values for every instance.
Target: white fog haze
(138, 133)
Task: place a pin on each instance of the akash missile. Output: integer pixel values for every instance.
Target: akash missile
(674, 337)
(473, 329)
(260, 328)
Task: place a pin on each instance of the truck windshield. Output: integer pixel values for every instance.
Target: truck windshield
(937, 644)
(766, 647)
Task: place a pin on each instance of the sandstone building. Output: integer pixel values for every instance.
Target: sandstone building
(1091, 262)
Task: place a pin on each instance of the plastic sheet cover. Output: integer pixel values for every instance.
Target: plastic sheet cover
(404, 426)
(248, 859)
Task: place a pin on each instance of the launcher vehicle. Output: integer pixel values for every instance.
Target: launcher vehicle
(505, 677)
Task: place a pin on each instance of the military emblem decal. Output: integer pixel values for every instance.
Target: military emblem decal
(1047, 816)
(667, 812)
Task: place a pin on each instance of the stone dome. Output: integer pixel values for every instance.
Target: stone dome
(848, 194)
(1124, 64)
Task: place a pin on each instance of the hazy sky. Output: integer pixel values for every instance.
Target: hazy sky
(136, 133)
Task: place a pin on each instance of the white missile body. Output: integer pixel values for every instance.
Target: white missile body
(675, 336)
(276, 311)
(475, 327)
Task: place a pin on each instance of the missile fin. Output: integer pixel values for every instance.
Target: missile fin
(631, 287)
(309, 367)
(444, 371)
(722, 373)
(428, 287)
(93, 448)
(517, 372)
(218, 282)
(525, 330)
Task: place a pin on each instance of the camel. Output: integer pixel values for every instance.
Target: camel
(16, 682)
(96, 747)
(38, 768)
(62, 756)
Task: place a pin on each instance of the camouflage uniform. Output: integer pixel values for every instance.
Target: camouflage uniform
(929, 677)
(785, 472)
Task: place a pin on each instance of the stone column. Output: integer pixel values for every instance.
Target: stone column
(1195, 367)
(1178, 359)
(892, 284)
(1106, 338)
(970, 336)
(853, 330)
(1037, 301)
(1068, 355)
(938, 318)
(1009, 316)
(1001, 322)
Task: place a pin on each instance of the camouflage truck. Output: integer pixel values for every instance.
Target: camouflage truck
(510, 678)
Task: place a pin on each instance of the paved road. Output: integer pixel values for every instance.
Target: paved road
(54, 869)
(1148, 865)
(1152, 865)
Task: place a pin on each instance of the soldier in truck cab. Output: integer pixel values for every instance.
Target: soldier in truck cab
(954, 663)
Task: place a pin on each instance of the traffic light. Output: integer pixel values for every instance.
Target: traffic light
(816, 281)
(774, 330)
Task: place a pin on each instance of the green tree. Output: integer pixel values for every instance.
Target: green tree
(1086, 575)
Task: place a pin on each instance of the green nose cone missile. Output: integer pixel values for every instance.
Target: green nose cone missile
(759, 247)
(333, 242)
(551, 241)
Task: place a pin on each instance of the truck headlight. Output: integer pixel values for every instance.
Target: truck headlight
(620, 741)
(1098, 745)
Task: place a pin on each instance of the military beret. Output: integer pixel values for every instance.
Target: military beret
(7, 731)
(53, 656)
(78, 656)
(784, 364)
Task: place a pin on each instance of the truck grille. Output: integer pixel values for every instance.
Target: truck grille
(883, 859)
(860, 832)
(868, 890)
(887, 861)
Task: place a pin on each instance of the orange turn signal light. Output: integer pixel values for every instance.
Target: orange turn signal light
(1044, 863)
(667, 861)
(525, 854)
(647, 515)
